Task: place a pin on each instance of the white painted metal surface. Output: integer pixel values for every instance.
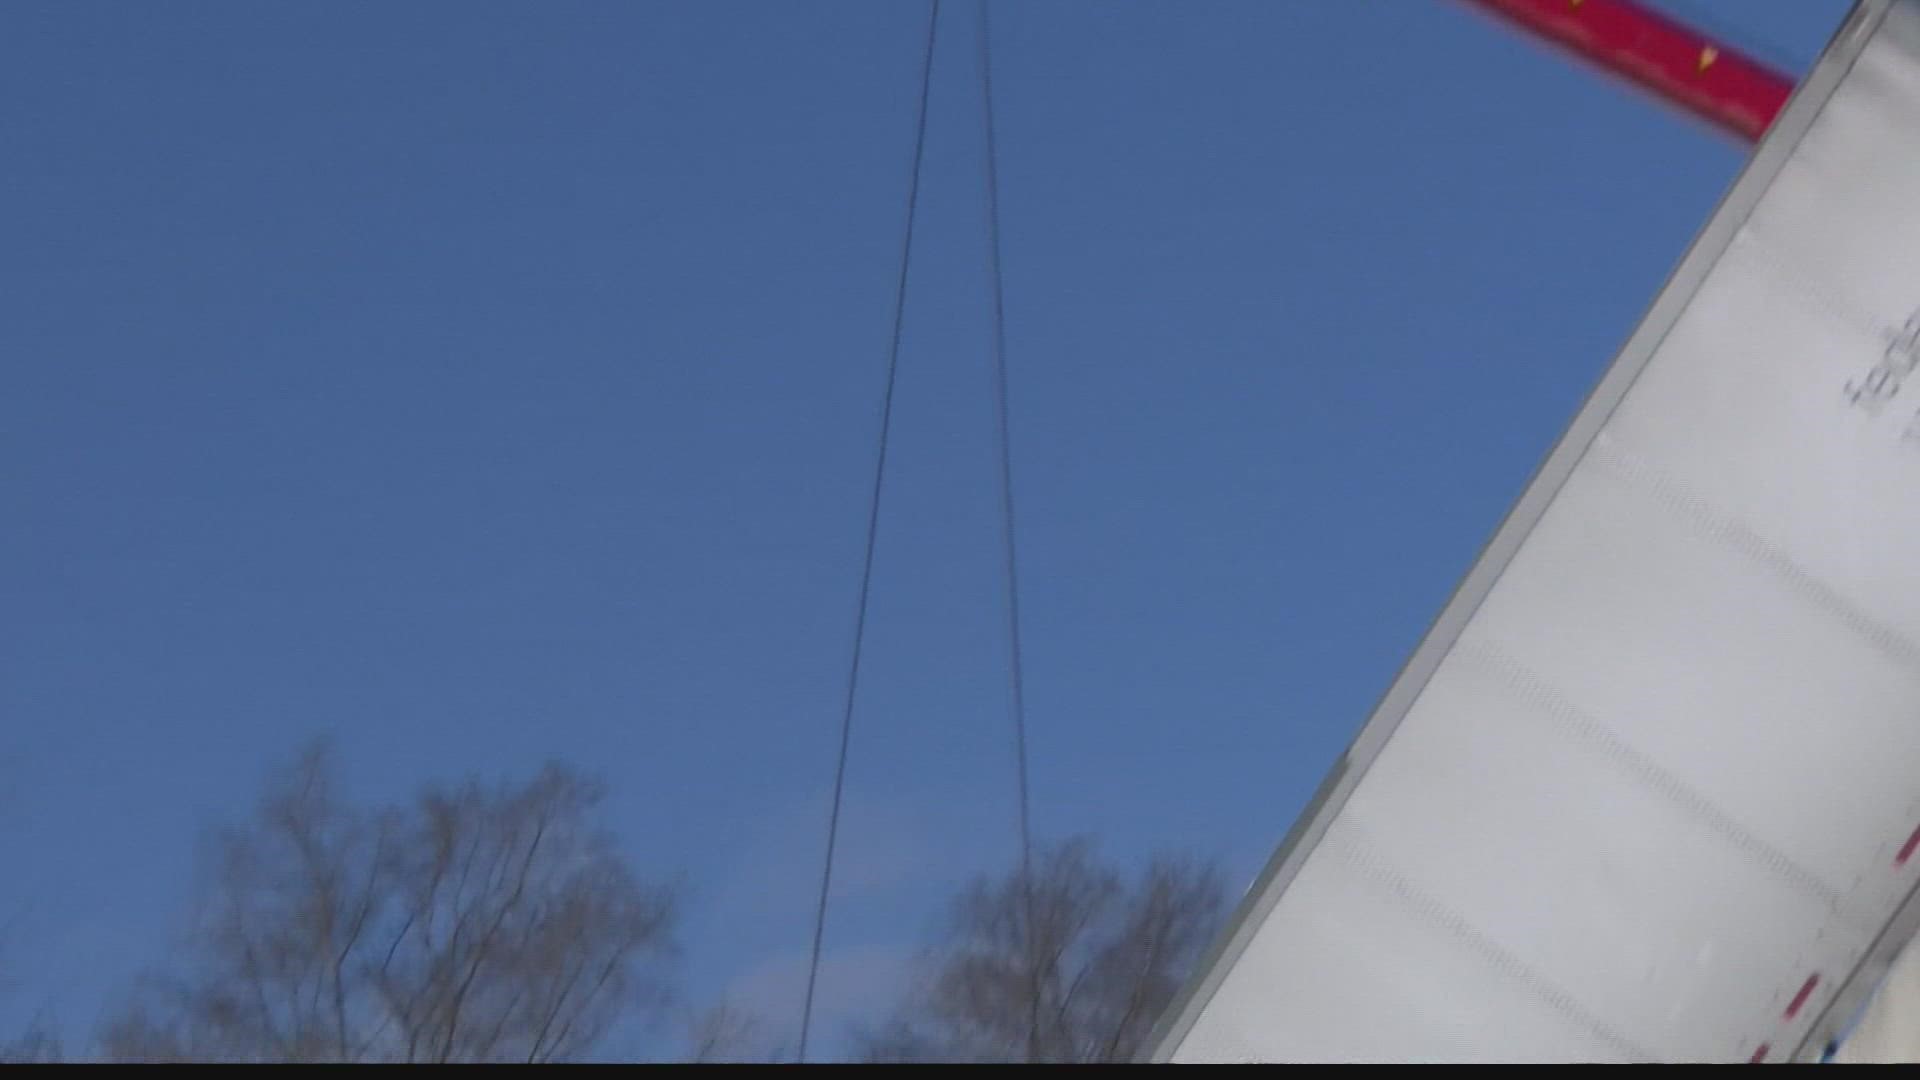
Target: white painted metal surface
(1646, 791)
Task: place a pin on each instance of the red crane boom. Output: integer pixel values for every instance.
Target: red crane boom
(1687, 69)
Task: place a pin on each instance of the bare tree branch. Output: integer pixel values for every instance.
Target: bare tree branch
(724, 1034)
(457, 928)
(38, 1044)
(1102, 958)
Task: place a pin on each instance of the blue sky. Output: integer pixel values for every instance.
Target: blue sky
(480, 382)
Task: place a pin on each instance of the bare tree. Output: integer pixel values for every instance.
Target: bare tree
(724, 1034)
(1079, 971)
(481, 923)
(37, 1044)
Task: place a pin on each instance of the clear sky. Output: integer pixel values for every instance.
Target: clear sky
(485, 382)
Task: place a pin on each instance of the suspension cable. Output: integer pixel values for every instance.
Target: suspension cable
(1016, 669)
(873, 522)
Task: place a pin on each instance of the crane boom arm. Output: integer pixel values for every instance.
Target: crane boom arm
(1631, 41)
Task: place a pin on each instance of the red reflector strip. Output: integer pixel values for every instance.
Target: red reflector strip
(1906, 849)
(1636, 43)
(1760, 1055)
(1806, 991)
